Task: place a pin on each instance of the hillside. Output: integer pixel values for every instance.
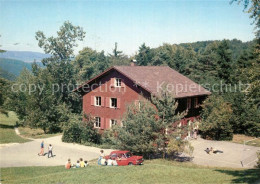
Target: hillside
(26, 56)
(13, 66)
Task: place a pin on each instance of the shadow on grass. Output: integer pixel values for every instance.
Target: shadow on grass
(243, 176)
(6, 126)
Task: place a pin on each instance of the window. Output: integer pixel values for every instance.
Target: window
(113, 122)
(113, 103)
(188, 103)
(118, 82)
(98, 101)
(97, 122)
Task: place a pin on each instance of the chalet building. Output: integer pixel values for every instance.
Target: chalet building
(107, 95)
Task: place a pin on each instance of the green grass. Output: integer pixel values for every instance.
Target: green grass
(35, 133)
(155, 171)
(7, 133)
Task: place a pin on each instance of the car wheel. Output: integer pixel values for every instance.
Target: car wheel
(130, 163)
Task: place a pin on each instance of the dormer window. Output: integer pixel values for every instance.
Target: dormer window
(118, 82)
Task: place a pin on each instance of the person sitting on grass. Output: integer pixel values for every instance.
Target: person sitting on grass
(85, 163)
(68, 164)
(215, 151)
(82, 164)
(208, 151)
(77, 164)
(109, 162)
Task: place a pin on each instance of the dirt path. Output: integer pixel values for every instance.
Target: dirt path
(26, 154)
(232, 156)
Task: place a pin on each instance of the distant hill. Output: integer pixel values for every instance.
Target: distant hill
(6, 75)
(11, 68)
(26, 56)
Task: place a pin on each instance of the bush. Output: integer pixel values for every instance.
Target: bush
(80, 131)
(177, 146)
(258, 162)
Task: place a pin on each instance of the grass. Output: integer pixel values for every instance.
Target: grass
(7, 133)
(35, 133)
(239, 138)
(155, 171)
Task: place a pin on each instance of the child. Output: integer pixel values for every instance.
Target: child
(50, 151)
(68, 164)
(101, 157)
(82, 164)
(42, 149)
(77, 164)
(85, 163)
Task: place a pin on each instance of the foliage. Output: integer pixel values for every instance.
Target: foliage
(140, 130)
(258, 161)
(80, 131)
(177, 146)
(215, 119)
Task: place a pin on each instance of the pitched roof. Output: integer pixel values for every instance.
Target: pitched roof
(153, 78)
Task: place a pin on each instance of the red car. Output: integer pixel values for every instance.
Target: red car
(125, 158)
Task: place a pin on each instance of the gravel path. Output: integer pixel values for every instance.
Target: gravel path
(26, 154)
(232, 156)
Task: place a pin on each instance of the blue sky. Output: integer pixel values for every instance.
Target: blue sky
(128, 22)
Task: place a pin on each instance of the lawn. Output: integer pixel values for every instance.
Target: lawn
(155, 171)
(251, 141)
(34, 133)
(7, 133)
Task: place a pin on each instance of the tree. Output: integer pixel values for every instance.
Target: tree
(140, 129)
(144, 55)
(215, 123)
(253, 10)
(116, 53)
(224, 62)
(167, 115)
(59, 64)
(4, 85)
(89, 63)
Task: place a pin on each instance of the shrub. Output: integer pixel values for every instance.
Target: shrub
(80, 131)
(177, 146)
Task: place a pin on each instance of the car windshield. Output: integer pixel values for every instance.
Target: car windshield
(128, 154)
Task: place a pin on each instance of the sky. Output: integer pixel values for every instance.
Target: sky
(129, 23)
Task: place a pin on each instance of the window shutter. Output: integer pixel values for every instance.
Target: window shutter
(107, 102)
(118, 103)
(102, 101)
(102, 122)
(92, 100)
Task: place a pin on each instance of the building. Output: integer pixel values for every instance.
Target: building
(107, 95)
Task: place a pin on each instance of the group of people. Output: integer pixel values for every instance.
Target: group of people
(50, 148)
(80, 163)
(103, 161)
(212, 150)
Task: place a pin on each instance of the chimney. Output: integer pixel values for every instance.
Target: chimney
(133, 62)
